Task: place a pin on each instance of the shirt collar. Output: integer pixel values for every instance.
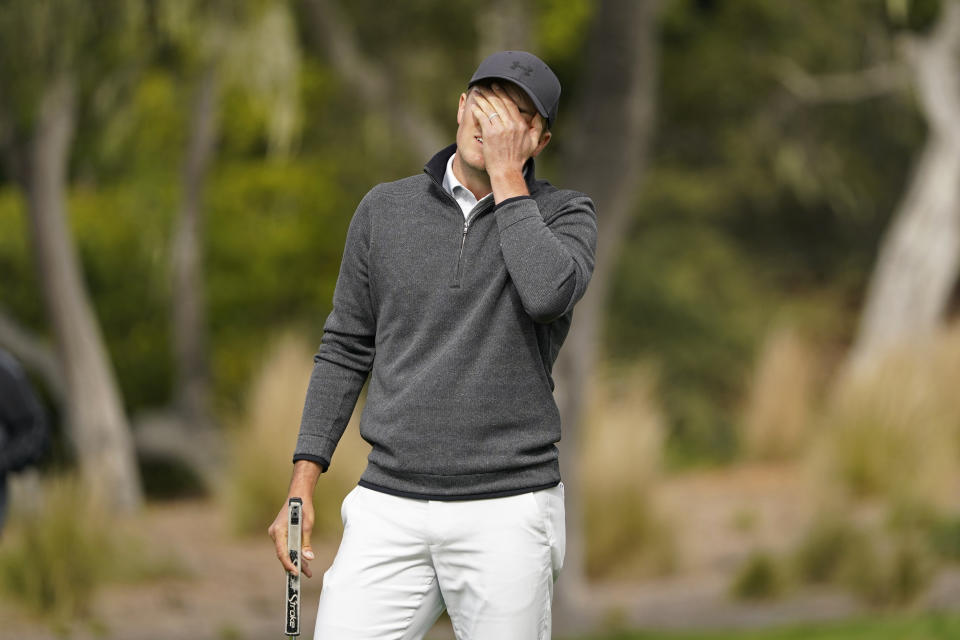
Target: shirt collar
(450, 181)
(460, 193)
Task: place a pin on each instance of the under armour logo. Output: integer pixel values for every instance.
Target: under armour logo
(526, 70)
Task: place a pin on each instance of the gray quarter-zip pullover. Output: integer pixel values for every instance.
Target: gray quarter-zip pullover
(457, 322)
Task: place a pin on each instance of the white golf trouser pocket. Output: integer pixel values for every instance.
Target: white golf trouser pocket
(550, 505)
(345, 503)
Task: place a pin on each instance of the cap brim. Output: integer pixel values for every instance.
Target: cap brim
(526, 89)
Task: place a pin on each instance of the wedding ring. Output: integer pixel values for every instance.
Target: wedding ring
(495, 115)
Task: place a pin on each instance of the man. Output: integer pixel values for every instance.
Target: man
(455, 292)
(23, 425)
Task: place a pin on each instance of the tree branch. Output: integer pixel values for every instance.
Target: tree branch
(933, 63)
(376, 88)
(34, 353)
(879, 80)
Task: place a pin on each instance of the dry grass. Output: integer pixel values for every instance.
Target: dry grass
(888, 444)
(777, 417)
(61, 546)
(262, 442)
(626, 535)
(57, 554)
(893, 433)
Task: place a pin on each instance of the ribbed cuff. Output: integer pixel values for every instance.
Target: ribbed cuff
(513, 199)
(324, 464)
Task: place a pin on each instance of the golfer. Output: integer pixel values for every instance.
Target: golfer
(455, 293)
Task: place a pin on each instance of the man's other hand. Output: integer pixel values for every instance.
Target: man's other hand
(278, 531)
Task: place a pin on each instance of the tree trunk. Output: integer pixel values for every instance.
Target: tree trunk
(610, 139)
(95, 414)
(918, 261)
(192, 382)
(504, 25)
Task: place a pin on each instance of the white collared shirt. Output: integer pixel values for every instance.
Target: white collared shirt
(460, 193)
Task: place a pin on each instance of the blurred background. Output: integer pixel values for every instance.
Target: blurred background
(761, 432)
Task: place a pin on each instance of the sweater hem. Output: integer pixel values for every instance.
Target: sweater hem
(463, 486)
(471, 496)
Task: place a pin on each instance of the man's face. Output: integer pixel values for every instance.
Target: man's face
(469, 145)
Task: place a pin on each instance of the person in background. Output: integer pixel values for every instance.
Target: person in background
(24, 437)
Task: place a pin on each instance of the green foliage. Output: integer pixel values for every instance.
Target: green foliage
(228, 631)
(275, 234)
(40, 39)
(143, 142)
(430, 47)
(121, 238)
(700, 327)
(922, 626)
(562, 28)
(914, 15)
(19, 284)
(945, 538)
(886, 563)
(756, 202)
(824, 549)
(119, 233)
(889, 571)
(886, 555)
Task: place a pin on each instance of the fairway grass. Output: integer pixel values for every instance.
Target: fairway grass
(933, 626)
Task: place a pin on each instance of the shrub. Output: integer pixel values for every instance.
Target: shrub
(760, 577)
(823, 550)
(945, 538)
(263, 441)
(889, 570)
(626, 536)
(884, 553)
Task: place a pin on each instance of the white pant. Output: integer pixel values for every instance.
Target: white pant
(492, 563)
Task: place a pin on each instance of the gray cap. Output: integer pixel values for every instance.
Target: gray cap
(530, 73)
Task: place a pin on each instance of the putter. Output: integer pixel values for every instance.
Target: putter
(292, 621)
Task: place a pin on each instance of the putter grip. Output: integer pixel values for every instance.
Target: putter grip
(294, 523)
